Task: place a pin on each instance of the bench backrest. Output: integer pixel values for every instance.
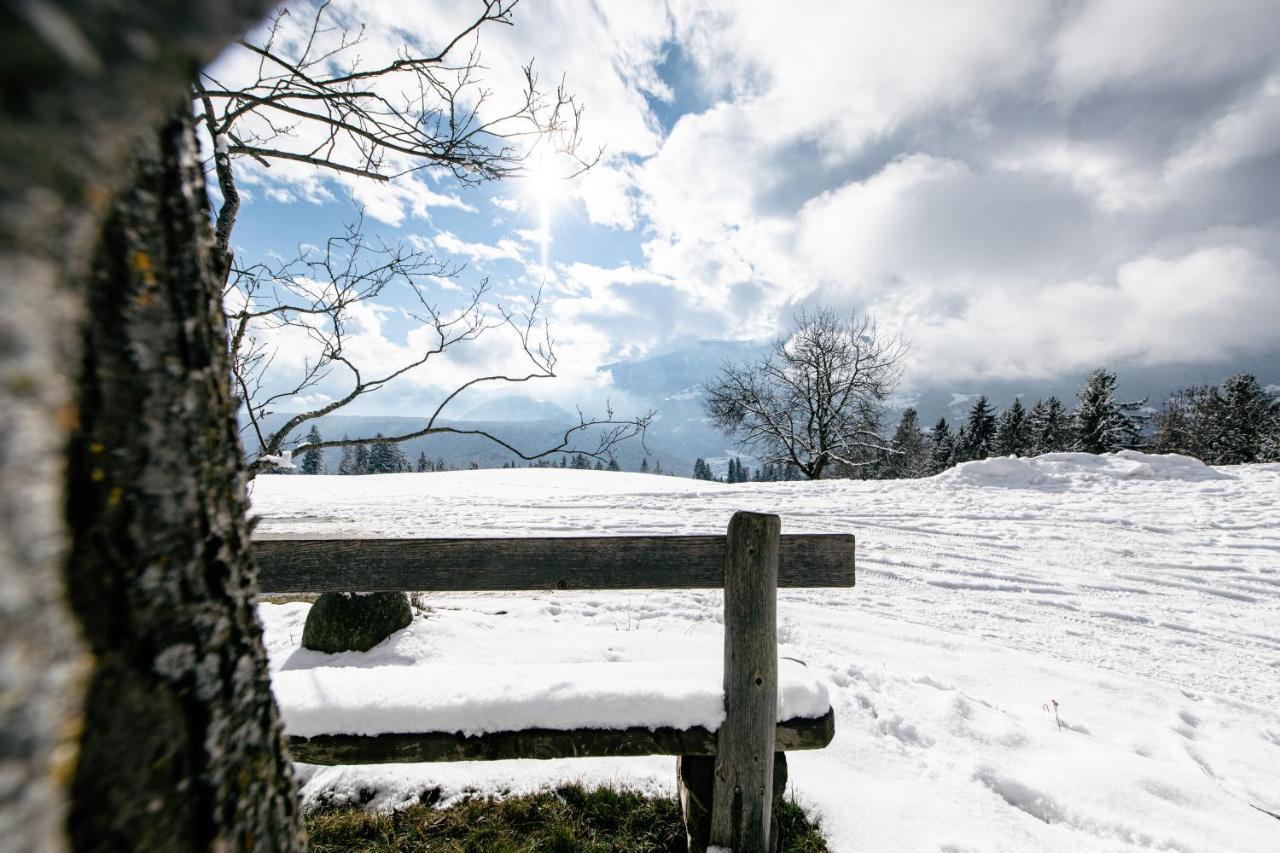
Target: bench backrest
(513, 564)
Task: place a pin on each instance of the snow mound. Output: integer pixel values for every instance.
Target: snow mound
(1064, 469)
(479, 699)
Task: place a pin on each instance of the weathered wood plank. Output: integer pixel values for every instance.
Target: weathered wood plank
(484, 565)
(541, 743)
(742, 802)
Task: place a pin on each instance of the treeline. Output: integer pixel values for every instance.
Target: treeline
(382, 456)
(1234, 423)
(377, 457)
(1230, 424)
(770, 472)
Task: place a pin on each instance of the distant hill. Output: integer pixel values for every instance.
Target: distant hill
(516, 407)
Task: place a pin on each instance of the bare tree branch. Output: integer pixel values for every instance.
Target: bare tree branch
(313, 294)
(313, 100)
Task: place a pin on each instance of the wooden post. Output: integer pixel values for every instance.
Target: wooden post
(742, 804)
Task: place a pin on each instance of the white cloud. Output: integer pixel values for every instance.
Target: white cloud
(1249, 129)
(1152, 310)
(1147, 44)
(504, 249)
(605, 193)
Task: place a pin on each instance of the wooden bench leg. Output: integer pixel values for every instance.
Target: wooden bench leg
(695, 785)
(742, 810)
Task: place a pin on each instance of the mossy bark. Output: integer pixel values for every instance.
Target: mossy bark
(183, 747)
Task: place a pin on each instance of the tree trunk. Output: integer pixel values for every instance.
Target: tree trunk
(78, 81)
(183, 748)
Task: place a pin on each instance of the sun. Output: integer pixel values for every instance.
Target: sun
(544, 188)
(544, 183)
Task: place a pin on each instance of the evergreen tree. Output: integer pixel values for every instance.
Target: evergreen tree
(1050, 427)
(1271, 446)
(347, 464)
(360, 462)
(1102, 423)
(979, 432)
(958, 447)
(942, 447)
(424, 464)
(644, 465)
(1187, 423)
(401, 460)
(613, 464)
(701, 470)
(313, 457)
(440, 465)
(1248, 421)
(382, 458)
(909, 454)
(1013, 431)
(657, 466)
(581, 463)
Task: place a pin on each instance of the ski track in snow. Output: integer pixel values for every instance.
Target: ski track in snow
(1148, 608)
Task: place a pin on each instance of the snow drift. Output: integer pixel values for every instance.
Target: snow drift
(1068, 469)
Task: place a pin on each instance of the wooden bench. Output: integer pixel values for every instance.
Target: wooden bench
(729, 778)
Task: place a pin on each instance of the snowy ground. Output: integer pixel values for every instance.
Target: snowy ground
(1142, 593)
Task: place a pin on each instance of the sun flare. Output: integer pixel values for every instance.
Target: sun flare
(545, 188)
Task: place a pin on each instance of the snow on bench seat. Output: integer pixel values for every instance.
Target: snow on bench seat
(482, 699)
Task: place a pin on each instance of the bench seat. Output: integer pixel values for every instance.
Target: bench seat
(342, 715)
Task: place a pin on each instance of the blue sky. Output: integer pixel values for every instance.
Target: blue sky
(1022, 190)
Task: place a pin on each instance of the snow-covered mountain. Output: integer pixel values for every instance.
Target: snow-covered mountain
(517, 408)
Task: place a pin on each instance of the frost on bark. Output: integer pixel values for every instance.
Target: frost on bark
(78, 81)
(183, 747)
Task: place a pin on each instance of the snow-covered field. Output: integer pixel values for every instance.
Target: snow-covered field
(1142, 593)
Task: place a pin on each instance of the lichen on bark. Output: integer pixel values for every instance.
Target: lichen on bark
(183, 747)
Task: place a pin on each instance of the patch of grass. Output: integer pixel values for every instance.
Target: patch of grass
(570, 819)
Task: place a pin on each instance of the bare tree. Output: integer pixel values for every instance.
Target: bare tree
(315, 100)
(815, 399)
